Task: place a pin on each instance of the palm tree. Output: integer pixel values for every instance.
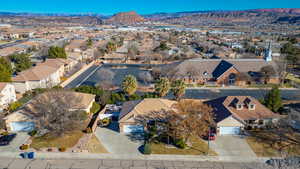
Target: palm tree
(178, 88)
(162, 86)
(129, 85)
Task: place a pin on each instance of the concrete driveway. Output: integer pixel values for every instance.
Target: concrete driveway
(232, 146)
(14, 145)
(117, 143)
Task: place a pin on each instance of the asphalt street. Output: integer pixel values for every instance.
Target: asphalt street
(81, 77)
(119, 164)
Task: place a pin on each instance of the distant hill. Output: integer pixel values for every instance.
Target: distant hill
(126, 18)
(254, 16)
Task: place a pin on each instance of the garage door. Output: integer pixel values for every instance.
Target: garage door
(230, 130)
(133, 129)
(22, 126)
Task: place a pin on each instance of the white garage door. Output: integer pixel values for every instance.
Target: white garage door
(230, 130)
(22, 126)
(133, 129)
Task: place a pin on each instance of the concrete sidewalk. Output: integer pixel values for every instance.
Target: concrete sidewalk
(60, 155)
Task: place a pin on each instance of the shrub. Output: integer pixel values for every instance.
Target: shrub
(95, 108)
(147, 149)
(32, 133)
(5, 133)
(24, 147)
(62, 149)
(150, 95)
(89, 130)
(105, 122)
(134, 97)
(14, 106)
(180, 143)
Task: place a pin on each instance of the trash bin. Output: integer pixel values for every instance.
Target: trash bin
(24, 155)
(30, 155)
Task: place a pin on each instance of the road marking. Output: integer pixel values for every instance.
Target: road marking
(88, 76)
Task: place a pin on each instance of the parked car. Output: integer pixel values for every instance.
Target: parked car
(211, 137)
(6, 139)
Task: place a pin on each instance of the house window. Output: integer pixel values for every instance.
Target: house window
(231, 79)
(261, 122)
(252, 107)
(239, 106)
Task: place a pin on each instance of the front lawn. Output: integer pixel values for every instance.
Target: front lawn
(199, 147)
(268, 144)
(95, 146)
(293, 78)
(66, 141)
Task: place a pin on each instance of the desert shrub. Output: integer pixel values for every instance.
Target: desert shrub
(24, 147)
(5, 133)
(89, 130)
(95, 108)
(147, 149)
(134, 97)
(14, 106)
(180, 143)
(62, 149)
(150, 95)
(105, 122)
(32, 133)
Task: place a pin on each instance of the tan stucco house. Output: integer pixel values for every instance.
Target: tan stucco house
(132, 109)
(23, 119)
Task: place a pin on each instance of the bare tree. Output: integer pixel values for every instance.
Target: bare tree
(106, 77)
(282, 69)
(267, 72)
(189, 118)
(132, 51)
(145, 77)
(56, 113)
(2, 121)
(192, 118)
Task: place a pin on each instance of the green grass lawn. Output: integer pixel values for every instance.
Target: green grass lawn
(67, 140)
(199, 147)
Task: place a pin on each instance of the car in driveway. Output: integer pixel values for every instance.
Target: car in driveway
(6, 139)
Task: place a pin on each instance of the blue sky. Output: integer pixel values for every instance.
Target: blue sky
(141, 6)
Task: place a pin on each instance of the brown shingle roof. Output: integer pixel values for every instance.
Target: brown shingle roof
(206, 67)
(145, 106)
(226, 106)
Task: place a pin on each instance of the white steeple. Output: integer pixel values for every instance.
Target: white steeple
(268, 53)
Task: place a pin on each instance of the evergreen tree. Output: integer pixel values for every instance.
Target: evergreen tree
(178, 88)
(162, 87)
(5, 70)
(56, 52)
(21, 62)
(273, 99)
(129, 85)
